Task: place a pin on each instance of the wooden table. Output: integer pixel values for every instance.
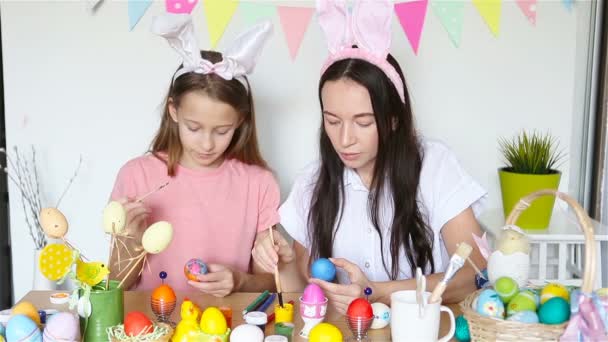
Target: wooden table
(140, 301)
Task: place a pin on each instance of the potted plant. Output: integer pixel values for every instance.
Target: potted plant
(532, 164)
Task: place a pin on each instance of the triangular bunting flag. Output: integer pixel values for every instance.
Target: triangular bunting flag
(568, 4)
(450, 13)
(294, 21)
(529, 9)
(254, 12)
(136, 10)
(180, 6)
(218, 13)
(490, 12)
(411, 16)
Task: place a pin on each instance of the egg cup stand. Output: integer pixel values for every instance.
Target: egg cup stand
(359, 327)
(484, 328)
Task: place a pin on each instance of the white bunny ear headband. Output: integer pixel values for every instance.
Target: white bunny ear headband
(368, 27)
(239, 59)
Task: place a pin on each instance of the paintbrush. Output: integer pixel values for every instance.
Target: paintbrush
(277, 278)
(455, 264)
(141, 198)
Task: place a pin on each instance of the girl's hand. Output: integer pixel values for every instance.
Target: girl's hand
(219, 282)
(137, 215)
(340, 296)
(266, 255)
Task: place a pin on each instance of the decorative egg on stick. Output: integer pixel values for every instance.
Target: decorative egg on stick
(55, 225)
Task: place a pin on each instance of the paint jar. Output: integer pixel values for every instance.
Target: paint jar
(283, 314)
(257, 318)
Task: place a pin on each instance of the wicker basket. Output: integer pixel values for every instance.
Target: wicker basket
(484, 328)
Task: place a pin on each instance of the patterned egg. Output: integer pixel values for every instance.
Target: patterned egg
(53, 223)
(20, 327)
(554, 290)
(360, 308)
(523, 301)
(382, 315)
(489, 304)
(114, 218)
(247, 333)
(194, 268)
(213, 321)
(524, 317)
(157, 237)
(555, 311)
(535, 293)
(137, 323)
(62, 326)
(323, 269)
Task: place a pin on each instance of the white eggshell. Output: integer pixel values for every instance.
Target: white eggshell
(114, 218)
(382, 315)
(53, 222)
(516, 266)
(247, 333)
(157, 237)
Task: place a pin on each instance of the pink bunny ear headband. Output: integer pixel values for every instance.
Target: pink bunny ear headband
(369, 27)
(239, 59)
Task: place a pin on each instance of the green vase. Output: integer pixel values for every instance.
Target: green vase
(107, 310)
(514, 186)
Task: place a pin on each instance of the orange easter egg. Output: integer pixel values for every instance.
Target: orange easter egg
(164, 293)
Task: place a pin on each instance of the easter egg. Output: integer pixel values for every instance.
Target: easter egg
(157, 237)
(114, 218)
(323, 269)
(515, 266)
(62, 326)
(137, 323)
(247, 333)
(523, 301)
(534, 292)
(20, 327)
(524, 317)
(213, 321)
(554, 290)
(360, 308)
(53, 223)
(506, 288)
(462, 332)
(164, 293)
(55, 261)
(193, 268)
(382, 315)
(2, 338)
(28, 309)
(554, 311)
(325, 332)
(489, 304)
(313, 294)
(481, 282)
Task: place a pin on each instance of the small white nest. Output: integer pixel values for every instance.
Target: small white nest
(161, 332)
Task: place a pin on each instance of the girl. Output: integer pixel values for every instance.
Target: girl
(220, 192)
(381, 201)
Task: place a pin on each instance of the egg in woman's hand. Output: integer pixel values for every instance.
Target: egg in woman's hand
(114, 218)
(157, 237)
(53, 223)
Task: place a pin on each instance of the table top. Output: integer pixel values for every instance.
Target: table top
(140, 301)
(563, 226)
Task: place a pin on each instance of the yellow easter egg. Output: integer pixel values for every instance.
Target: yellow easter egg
(53, 222)
(157, 237)
(27, 309)
(213, 322)
(55, 261)
(554, 290)
(114, 218)
(325, 332)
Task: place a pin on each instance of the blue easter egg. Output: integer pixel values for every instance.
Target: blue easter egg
(489, 304)
(555, 311)
(323, 269)
(524, 317)
(462, 332)
(20, 327)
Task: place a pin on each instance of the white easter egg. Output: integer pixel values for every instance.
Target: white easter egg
(247, 333)
(53, 223)
(114, 218)
(382, 315)
(157, 237)
(516, 266)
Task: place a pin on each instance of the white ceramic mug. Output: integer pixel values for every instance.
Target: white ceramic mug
(408, 325)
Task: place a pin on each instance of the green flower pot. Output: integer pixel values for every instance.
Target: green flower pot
(107, 310)
(514, 186)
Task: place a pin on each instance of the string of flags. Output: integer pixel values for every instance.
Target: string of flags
(295, 20)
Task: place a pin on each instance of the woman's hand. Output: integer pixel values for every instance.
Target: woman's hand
(266, 255)
(219, 282)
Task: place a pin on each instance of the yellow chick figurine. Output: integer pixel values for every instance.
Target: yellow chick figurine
(511, 257)
(91, 273)
(187, 330)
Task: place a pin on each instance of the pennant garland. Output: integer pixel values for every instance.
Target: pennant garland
(136, 10)
(218, 14)
(411, 17)
(528, 7)
(180, 6)
(294, 21)
(490, 12)
(253, 13)
(450, 14)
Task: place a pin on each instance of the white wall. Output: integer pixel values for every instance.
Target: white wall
(77, 83)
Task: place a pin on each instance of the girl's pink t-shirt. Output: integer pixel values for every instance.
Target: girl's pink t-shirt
(215, 214)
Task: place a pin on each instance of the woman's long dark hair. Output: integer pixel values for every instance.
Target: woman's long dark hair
(397, 170)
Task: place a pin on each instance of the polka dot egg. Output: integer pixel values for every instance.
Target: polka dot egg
(489, 304)
(55, 261)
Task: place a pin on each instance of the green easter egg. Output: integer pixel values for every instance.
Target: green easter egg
(523, 301)
(462, 333)
(506, 288)
(555, 311)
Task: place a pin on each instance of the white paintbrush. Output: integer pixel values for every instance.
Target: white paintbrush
(456, 263)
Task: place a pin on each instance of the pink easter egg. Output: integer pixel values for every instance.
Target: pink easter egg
(313, 294)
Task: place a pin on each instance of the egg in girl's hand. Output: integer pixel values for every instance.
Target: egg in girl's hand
(382, 315)
(489, 304)
(195, 267)
(555, 311)
(524, 317)
(313, 294)
(53, 223)
(114, 218)
(20, 328)
(157, 237)
(213, 321)
(137, 323)
(62, 326)
(360, 308)
(247, 333)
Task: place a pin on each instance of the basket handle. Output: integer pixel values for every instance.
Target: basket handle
(583, 219)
